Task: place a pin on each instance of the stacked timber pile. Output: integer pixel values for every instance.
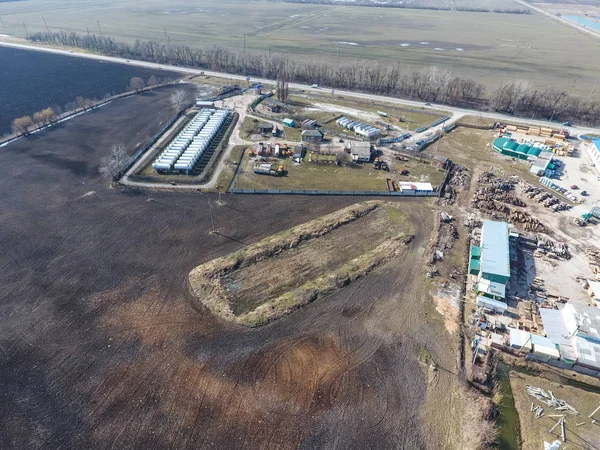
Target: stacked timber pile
(529, 222)
(495, 191)
(552, 248)
(593, 256)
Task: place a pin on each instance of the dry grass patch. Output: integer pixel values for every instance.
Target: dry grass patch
(293, 268)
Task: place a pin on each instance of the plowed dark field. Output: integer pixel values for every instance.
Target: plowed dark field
(101, 345)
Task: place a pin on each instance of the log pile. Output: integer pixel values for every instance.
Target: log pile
(593, 256)
(552, 248)
(530, 223)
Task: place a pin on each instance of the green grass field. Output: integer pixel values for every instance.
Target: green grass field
(485, 46)
(361, 177)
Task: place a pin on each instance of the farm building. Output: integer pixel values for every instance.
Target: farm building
(360, 151)
(594, 152)
(273, 105)
(312, 136)
(415, 188)
(493, 260)
(439, 162)
(524, 150)
(540, 167)
(264, 128)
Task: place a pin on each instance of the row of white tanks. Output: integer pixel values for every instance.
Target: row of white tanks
(187, 148)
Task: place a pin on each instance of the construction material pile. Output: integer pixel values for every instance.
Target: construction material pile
(544, 197)
(459, 176)
(552, 248)
(593, 256)
(549, 399)
(495, 191)
(530, 223)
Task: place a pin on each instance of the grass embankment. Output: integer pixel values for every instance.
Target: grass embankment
(308, 263)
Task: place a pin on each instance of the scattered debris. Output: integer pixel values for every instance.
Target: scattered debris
(549, 399)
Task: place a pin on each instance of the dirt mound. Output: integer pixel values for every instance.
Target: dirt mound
(290, 269)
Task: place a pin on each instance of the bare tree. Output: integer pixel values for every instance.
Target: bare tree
(152, 81)
(282, 85)
(44, 117)
(112, 164)
(21, 125)
(178, 99)
(136, 84)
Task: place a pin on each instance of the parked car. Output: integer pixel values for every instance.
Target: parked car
(574, 186)
(592, 164)
(566, 124)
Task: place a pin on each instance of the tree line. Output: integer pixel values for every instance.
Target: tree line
(430, 84)
(48, 116)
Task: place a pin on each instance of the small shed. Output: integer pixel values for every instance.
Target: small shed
(298, 151)
(289, 123)
(273, 105)
(312, 136)
(544, 347)
(491, 305)
(520, 340)
(439, 162)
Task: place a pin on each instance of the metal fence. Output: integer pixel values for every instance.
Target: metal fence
(135, 158)
(325, 192)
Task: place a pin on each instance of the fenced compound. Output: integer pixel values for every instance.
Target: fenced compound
(333, 192)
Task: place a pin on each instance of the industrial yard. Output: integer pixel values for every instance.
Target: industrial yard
(316, 224)
(98, 316)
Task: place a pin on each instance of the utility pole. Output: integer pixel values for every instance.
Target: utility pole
(26, 33)
(99, 29)
(212, 219)
(594, 88)
(338, 55)
(269, 52)
(2, 22)
(166, 36)
(88, 30)
(572, 86)
(45, 23)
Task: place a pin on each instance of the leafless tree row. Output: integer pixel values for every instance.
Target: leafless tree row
(23, 125)
(429, 84)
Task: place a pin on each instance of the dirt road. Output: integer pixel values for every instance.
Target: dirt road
(102, 346)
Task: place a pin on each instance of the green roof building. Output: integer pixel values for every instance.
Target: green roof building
(492, 259)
